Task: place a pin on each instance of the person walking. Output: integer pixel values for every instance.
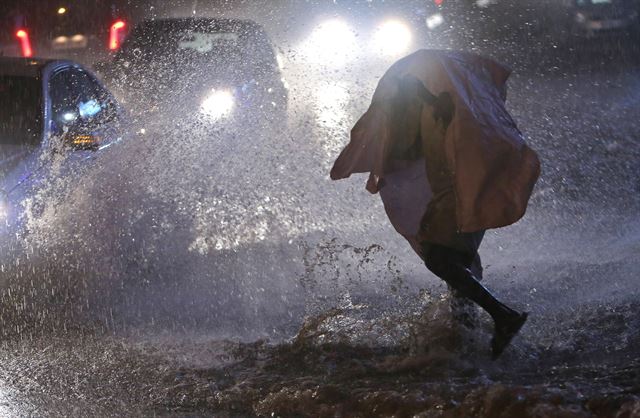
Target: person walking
(449, 163)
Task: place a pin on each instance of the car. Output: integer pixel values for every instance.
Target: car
(49, 107)
(366, 36)
(597, 17)
(211, 69)
(15, 40)
(66, 30)
(84, 33)
(550, 24)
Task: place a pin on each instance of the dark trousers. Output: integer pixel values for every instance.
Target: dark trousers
(436, 255)
(462, 272)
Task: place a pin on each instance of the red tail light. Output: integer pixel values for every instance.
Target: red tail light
(25, 43)
(116, 34)
(438, 2)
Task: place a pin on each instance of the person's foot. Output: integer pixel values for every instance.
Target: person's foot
(505, 332)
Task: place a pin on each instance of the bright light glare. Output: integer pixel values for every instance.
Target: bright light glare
(332, 43)
(89, 108)
(280, 61)
(69, 116)
(25, 43)
(218, 104)
(393, 38)
(434, 21)
(62, 11)
(4, 210)
(115, 34)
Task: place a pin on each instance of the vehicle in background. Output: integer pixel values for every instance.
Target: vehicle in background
(548, 24)
(76, 29)
(210, 69)
(599, 17)
(48, 107)
(85, 32)
(366, 36)
(15, 40)
(346, 33)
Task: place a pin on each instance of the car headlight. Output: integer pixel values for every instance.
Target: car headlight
(434, 21)
(69, 116)
(393, 38)
(218, 104)
(332, 43)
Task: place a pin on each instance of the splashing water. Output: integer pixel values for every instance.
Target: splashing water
(191, 233)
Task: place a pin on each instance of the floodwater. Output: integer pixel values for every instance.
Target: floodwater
(199, 271)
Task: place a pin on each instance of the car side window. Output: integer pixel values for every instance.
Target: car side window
(76, 99)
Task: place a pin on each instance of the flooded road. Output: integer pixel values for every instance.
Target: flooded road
(220, 272)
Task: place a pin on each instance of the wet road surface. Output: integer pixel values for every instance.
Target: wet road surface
(391, 349)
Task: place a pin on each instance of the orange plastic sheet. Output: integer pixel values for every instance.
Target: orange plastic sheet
(493, 171)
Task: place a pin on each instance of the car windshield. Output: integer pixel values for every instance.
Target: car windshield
(150, 41)
(20, 110)
(184, 42)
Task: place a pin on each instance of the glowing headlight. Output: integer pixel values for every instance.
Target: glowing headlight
(434, 21)
(69, 116)
(218, 104)
(393, 38)
(332, 43)
(61, 40)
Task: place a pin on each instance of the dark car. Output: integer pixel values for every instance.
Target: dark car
(597, 17)
(15, 37)
(552, 23)
(49, 107)
(212, 69)
(82, 30)
(88, 32)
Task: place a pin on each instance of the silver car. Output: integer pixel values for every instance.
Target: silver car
(47, 107)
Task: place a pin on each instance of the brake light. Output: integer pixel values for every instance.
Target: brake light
(25, 43)
(116, 35)
(438, 2)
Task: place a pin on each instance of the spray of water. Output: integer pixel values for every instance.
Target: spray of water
(235, 231)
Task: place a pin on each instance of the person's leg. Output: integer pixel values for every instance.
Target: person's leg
(473, 241)
(462, 308)
(452, 266)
